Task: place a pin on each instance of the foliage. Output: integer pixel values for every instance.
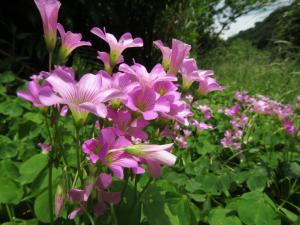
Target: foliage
(279, 31)
(22, 47)
(241, 66)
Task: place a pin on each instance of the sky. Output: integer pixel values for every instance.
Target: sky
(247, 21)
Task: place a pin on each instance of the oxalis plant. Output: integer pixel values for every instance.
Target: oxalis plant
(126, 120)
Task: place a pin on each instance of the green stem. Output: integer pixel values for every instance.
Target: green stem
(50, 190)
(135, 190)
(9, 213)
(145, 188)
(90, 217)
(50, 60)
(50, 165)
(78, 156)
(124, 187)
(113, 215)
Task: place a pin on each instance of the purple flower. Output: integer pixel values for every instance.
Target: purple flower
(59, 200)
(125, 125)
(289, 127)
(173, 59)
(33, 93)
(103, 182)
(107, 149)
(234, 110)
(80, 196)
(147, 103)
(165, 88)
(205, 110)
(144, 78)
(239, 122)
(229, 141)
(202, 126)
(182, 142)
(189, 73)
(69, 41)
(166, 52)
(208, 84)
(179, 111)
(117, 47)
(46, 148)
(49, 13)
(87, 95)
(104, 57)
(154, 156)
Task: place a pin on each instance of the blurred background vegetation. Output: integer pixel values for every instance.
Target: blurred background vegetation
(264, 58)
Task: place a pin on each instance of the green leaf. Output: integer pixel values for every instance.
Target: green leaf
(9, 169)
(210, 183)
(198, 197)
(8, 148)
(24, 222)
(10, 191)
(295, 169)
(34, 117)
(41, 182)
(254, 208)
(41, 207)
(192, 186)
(31, 168)
(168, 208)
(7, 77)
(221, 216)
(11, 108)
(257, 181)
(290, 215)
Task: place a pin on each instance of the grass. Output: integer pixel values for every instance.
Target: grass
(240, 66)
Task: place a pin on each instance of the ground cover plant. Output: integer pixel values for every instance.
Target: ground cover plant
(130, 145)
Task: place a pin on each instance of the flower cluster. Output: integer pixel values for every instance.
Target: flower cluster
(246, 105)
(126, 98)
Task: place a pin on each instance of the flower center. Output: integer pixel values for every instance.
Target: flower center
(142, 106)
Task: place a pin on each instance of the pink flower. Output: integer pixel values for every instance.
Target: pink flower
(179, 111)
(126, 125)
(87, 95)
(104, 57)
(208, 84)
(181, 142)
(229, 141)
(144, 78)
(187, 133)
(289, 127)
(59, 200)
(205, 110)
(202, 126)
(107, 149)
(189, 98)
(103, 182)
(173, 59)
(80, 196)
(166, 52)
(147, 103)
(189, 73)
(165, 88)
(49, 13)
(69, 41)
(46, 148)
(234, 110)
(117, 47)
(34, 89)
(154, 156)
